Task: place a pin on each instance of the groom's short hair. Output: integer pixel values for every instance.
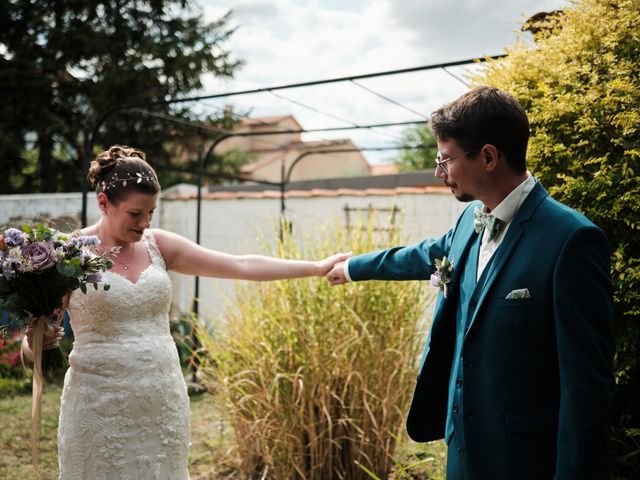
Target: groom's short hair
(485, 115)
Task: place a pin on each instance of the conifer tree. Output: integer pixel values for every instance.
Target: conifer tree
(63, 63)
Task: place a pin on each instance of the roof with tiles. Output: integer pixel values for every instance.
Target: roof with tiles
(279, 152)
(417, 183)
(264, 121)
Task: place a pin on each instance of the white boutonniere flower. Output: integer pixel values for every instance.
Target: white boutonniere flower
(442, 276)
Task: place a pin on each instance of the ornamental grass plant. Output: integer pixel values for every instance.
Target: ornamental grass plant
(317, 379)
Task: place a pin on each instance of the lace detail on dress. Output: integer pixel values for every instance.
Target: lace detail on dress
(149, 240)
(125, 410)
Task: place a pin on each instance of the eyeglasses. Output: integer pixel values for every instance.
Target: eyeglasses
(440, 163)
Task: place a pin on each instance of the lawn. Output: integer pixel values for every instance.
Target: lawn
(211, 454)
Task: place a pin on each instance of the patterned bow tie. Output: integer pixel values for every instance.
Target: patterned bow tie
(486, 220)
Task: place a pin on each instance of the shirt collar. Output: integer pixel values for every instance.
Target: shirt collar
(508, 207)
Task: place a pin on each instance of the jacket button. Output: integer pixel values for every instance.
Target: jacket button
(458, 382)
(455, 408)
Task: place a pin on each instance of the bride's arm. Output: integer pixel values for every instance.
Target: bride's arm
(184, 256)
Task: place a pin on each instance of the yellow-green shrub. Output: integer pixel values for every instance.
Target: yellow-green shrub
(580, 85)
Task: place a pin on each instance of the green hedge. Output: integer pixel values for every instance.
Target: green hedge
(580, 84)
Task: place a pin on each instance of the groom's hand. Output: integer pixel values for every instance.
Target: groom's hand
(336, 275)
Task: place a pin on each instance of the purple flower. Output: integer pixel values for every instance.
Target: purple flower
(435, 280)
(40, 254)
(8, 273)
(85, 240)
(91, 241)
(81, 255)
(13, 237)
(94, 277)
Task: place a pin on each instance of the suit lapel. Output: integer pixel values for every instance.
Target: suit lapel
(458, 255)
(509, 243)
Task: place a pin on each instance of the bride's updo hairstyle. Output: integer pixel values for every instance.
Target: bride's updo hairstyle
(121, 170)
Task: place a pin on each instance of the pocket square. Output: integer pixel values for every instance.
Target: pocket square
(519, 293)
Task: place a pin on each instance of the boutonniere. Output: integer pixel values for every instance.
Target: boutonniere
(442, 276)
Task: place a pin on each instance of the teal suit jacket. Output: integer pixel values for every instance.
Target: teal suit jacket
(538, 376)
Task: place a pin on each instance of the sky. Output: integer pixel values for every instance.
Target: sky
(291, 41)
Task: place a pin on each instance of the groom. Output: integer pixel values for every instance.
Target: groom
(517, 370)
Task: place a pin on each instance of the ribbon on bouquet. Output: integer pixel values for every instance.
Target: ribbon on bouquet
(36, 399)
(40, 326)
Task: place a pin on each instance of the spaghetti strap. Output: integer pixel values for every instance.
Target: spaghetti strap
(152, 247)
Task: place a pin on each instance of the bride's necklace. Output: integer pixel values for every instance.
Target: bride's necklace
(115, 257)
(125, 264)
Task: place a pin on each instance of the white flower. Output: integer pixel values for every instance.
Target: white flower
(442, 276)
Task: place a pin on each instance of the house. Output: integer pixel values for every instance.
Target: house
(280, 156)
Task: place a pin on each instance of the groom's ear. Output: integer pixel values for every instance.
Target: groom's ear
(490, 156)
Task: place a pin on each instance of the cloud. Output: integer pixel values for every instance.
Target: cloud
(292, 41)
(465, 28)
(256, 11)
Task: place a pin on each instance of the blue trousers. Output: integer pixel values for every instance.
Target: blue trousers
(456, 462)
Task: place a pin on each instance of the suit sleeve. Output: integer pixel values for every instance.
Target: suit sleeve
(414, 262)
(583, 309)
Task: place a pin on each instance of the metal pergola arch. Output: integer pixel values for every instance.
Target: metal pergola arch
(90, 134)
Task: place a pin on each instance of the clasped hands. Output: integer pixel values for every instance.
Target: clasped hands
(336, 275)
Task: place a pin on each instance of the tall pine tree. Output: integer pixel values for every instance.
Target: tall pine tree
(63, 63)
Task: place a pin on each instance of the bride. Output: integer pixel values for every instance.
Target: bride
(124, 409)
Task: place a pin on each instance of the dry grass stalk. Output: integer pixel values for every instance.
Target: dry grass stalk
(317, 378)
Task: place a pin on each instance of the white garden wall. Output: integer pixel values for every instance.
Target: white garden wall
(235, 225)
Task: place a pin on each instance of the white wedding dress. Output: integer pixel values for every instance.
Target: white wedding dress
(124, 411)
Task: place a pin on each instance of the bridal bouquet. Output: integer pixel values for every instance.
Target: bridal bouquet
(38, 267)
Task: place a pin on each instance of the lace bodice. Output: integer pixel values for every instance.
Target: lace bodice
(127, 308)
(124, 411)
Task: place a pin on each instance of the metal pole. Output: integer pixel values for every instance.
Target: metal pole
(196, 294)
(85, 170)
(195, 344)
(282, 205)
(202, 162)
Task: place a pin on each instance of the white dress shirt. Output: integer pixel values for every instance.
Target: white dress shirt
(505, 211)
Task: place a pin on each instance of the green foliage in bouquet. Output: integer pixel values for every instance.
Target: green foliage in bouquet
(580, 85)
(318, 378)
(39, 266)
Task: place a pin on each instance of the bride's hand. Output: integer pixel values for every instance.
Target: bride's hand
(325, 266)
(65, 305)
(53, 332)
